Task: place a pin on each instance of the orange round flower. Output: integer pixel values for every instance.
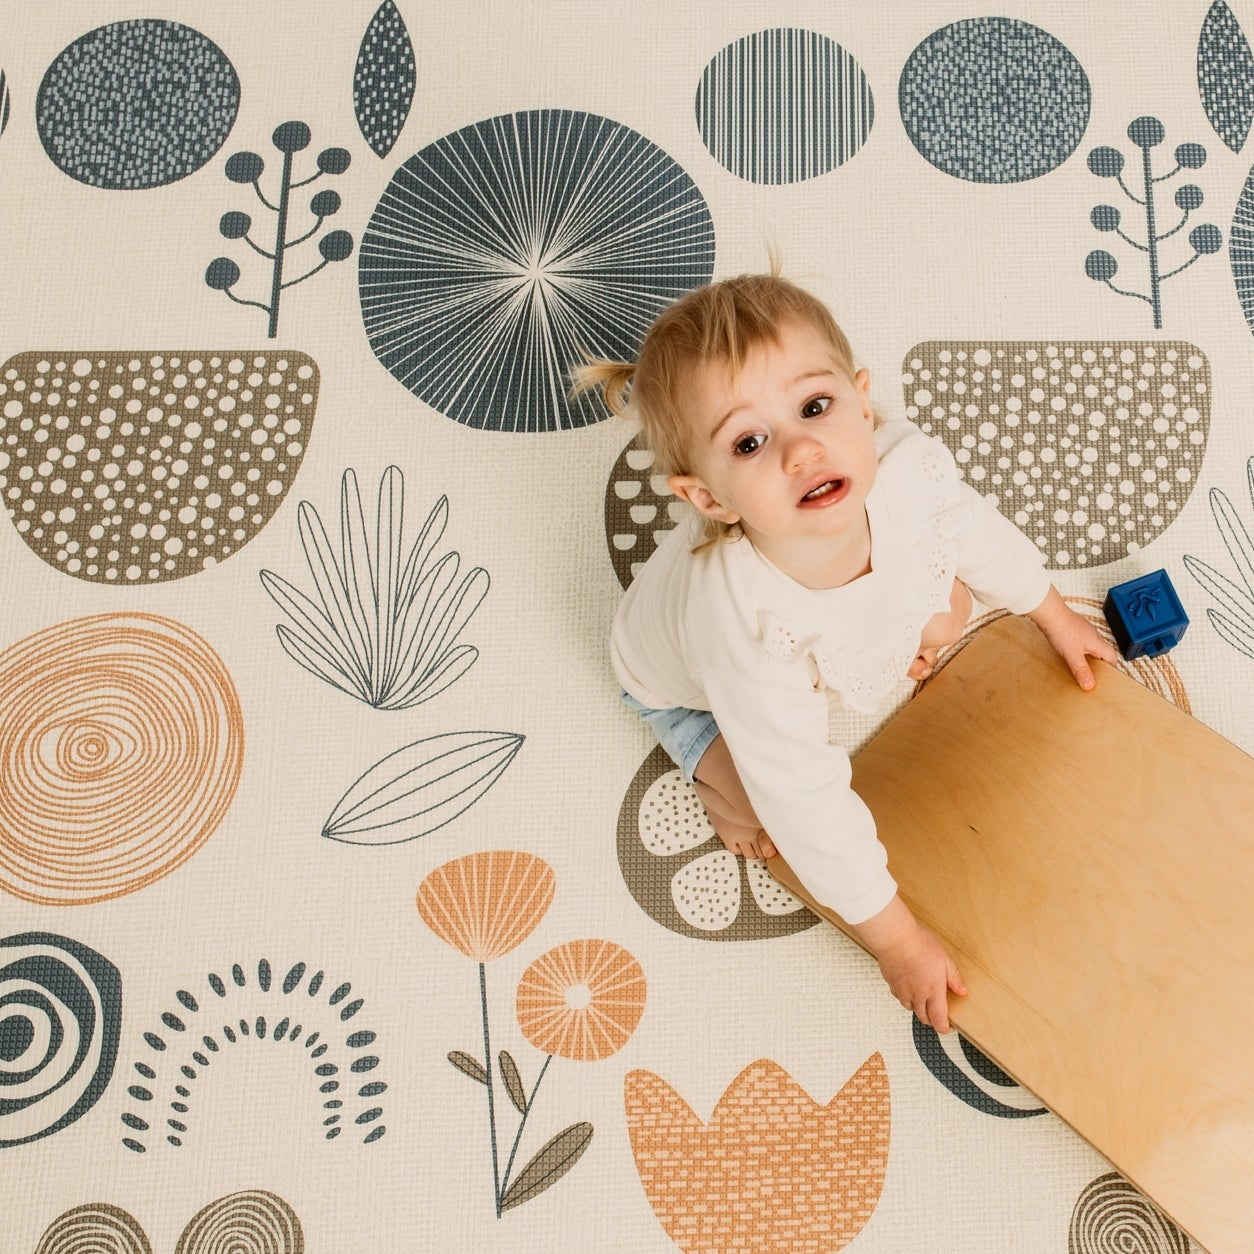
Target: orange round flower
(486, 904)
(581, 1000)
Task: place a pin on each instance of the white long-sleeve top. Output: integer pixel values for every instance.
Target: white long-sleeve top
(726, 630)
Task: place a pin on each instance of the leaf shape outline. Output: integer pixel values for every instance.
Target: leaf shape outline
(553, 1161)
(468, 1064)
(1225, 75)
(421, 787)
(1234, 619)
(384, 79)
(384, 623)
(513, 1082)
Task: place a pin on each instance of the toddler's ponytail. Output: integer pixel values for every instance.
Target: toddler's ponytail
(612, 377)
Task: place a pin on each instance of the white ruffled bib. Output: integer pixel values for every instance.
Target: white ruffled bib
(915, 581)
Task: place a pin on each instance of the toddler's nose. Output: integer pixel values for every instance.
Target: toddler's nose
(801, 450)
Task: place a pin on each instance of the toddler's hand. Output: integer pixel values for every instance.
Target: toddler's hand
(1075, 639)
(920, 974)
(913, 961)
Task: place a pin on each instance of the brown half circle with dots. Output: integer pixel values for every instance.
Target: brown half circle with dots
(682, 876)
(639, 510)
(1158, 674)
(1091, 449)
(130, 468)
(121, 747)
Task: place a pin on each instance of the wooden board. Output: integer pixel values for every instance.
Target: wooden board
(1088, 859)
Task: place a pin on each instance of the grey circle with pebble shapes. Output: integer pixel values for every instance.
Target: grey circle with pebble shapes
(1090, 448)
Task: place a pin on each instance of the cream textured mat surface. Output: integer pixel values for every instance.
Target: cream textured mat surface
(342, 905)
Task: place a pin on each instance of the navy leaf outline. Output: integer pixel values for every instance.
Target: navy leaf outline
(1234, 620)
(421, 787)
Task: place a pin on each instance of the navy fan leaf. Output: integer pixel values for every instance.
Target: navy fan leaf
(384, 80)
(500, 251)
(4, 102)
(1241, 249)
(783, 105)
(1225, 75)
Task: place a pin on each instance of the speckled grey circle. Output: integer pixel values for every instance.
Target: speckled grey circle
(994, 100)
(137, 104)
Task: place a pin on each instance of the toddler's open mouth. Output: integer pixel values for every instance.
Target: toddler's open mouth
(825, 494)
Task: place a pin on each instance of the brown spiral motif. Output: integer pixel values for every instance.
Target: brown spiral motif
(121, 746)
(251, 1222)
(94, 1229)
(1111, 1217)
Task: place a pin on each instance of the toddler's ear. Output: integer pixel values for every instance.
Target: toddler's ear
(862, 385)
(693, 490)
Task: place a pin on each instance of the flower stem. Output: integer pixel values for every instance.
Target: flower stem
(522, 1123)
(280, 243)
(1152, 240)
(487, 1058)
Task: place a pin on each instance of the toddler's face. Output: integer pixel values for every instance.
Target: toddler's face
(787, 449)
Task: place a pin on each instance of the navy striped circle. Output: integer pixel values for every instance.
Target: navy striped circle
(783, 105)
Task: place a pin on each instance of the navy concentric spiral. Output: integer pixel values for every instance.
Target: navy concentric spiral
(500, 251)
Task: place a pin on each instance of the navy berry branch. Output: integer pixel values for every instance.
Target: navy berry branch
(247, 167)
(1147, 133)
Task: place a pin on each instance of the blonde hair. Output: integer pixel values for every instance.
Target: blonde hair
(721, 322)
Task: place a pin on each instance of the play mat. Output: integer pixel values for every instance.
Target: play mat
(343, 907)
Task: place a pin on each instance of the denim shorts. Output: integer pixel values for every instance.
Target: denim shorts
(684, 734)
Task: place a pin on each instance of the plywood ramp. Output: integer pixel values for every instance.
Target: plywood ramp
(1088, 860)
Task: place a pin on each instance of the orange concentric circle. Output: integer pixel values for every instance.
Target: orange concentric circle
(121, 747)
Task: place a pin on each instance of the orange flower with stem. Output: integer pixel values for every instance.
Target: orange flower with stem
(485, 904)
(581, 1000)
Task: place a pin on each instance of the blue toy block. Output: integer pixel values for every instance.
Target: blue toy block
(1146, 615)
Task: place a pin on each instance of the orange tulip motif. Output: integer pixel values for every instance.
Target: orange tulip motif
(581, 1000)
(773, 1171)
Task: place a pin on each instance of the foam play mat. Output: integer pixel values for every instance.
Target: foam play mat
(343, 906)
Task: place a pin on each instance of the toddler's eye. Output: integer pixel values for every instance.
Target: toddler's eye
(747, 445)
(816, 407)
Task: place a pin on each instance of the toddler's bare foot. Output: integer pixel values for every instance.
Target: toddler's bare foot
(745, 842)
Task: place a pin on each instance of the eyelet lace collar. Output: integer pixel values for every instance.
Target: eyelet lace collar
(913, 584)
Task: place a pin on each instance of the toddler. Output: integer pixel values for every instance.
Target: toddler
(826, 557)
